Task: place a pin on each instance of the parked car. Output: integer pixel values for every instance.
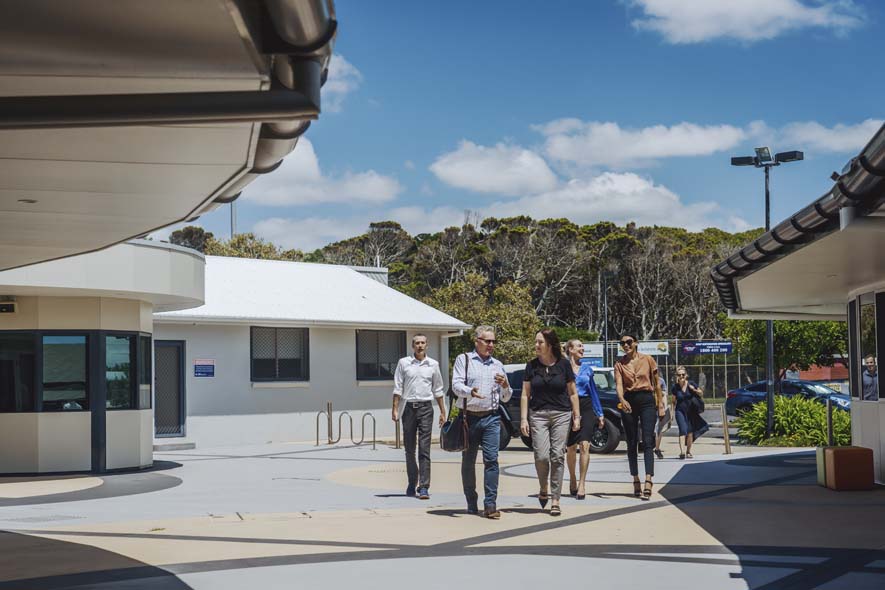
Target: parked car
(605, 440)
(742, 399)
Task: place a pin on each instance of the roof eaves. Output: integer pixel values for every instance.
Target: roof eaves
(861, 185)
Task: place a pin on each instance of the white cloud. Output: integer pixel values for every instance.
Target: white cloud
(696, 21)
(503, 169)
(607, 144)
(409, 165)
(299, 181)
(343, 79)
(620, 198)
(813, 137)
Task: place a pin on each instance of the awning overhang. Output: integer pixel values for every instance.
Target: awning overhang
(808, 266)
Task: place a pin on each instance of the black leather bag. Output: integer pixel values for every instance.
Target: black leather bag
(698, 403)
(454, 434)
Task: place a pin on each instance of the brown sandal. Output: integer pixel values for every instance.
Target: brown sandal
(646, 493)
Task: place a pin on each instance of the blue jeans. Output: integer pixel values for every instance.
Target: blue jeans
(484, 432)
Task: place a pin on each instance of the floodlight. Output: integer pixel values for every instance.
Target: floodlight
(764, 154)
(793, 156)
(743, 161)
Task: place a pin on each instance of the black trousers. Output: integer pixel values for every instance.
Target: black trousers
(417, 426)
(640, 422)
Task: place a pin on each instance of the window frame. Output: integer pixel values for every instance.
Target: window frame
(96, 343)
(277, 379)
(379, 378)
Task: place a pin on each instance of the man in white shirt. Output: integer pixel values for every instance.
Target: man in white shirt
(480, 382)
(417, 382)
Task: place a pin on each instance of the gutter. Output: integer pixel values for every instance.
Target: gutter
(859, 189)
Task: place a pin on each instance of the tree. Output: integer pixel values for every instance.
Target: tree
(510, 311)
(804, 343)
(250, 246)
(191, 236)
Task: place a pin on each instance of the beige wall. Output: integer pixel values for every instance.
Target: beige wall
(39, 443)
(78, 313)
(130, 438)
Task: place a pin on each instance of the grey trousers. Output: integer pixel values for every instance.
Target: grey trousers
(550, 430)
(417, 425)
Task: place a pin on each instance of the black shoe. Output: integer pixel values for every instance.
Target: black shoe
(543, 499)
(492, 512)
(410, 491)
(659, 454)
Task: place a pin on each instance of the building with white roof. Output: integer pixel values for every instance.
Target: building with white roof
(275, 341)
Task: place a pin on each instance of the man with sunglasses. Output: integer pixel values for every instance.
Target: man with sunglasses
(480, 383)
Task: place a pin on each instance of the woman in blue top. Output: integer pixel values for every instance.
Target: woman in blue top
(589, 402)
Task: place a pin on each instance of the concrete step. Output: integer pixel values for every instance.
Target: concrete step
(175, 444)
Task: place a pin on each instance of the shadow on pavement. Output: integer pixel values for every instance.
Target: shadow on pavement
(38, 563)
(770, 508)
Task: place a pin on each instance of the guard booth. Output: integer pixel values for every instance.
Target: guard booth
(827, 262)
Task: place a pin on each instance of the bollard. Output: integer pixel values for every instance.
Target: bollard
(725, 430)
(830, 438)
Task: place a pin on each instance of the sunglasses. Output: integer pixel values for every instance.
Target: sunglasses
(627, 342)
(488, 340)
(680, 374)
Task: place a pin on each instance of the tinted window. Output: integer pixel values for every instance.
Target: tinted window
(119, 372)
(17, 363)
(279, 354)
(378, 352)
(757, 387)
(789, 388)
(145, 373)
(64, 373)
(604, 381)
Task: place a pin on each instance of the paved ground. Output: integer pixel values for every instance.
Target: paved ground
(284, 516)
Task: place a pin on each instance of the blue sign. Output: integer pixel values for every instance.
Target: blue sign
(204, 367)
(593, 361)
(706, 347)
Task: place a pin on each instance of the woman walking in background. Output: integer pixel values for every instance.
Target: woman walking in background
(548, 390)
(639, 392)
(589, 403)
(687, 401)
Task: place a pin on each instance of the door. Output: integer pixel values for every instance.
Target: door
(169, 407)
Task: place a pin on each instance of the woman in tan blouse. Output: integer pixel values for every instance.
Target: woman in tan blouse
(639, 391)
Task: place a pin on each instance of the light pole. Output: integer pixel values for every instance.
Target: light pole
(607, 274)
(763, 159)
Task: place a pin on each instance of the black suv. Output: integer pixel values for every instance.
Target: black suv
(605, 440)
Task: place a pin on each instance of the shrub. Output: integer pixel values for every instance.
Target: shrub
(798, 422)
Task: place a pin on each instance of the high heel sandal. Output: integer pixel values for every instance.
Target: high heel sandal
(543, 498)
(637, 488)
(646, 493)
(572, 491)
(579, 496)
(555, 510)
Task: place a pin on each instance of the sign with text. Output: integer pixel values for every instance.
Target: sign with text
(654, 347)
(593, 350)
(204, 367)
(706, 347)
(593, 361)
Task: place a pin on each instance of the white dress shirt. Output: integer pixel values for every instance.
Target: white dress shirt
(417, 381)
(481, 375)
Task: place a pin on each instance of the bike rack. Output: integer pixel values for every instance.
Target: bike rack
(335, 440)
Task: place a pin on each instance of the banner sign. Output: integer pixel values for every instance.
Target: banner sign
(593, 361)
(661, 347)
(204, 367)
(707, 347)
(593, 350)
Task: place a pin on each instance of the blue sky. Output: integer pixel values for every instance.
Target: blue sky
(604, 110)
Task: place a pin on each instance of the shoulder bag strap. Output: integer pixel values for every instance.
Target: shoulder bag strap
(466, 365)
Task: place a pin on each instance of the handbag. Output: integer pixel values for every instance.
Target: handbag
(454, 435)
(698, 403)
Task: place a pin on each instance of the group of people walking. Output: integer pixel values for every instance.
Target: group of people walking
(559, 410)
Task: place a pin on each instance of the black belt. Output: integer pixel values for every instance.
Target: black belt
(480, 414)
(419, 402)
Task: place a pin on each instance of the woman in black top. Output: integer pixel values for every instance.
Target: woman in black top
(549, 391)
(686, 395)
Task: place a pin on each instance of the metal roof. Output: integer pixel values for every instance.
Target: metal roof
(859, 188)
(244, 290)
